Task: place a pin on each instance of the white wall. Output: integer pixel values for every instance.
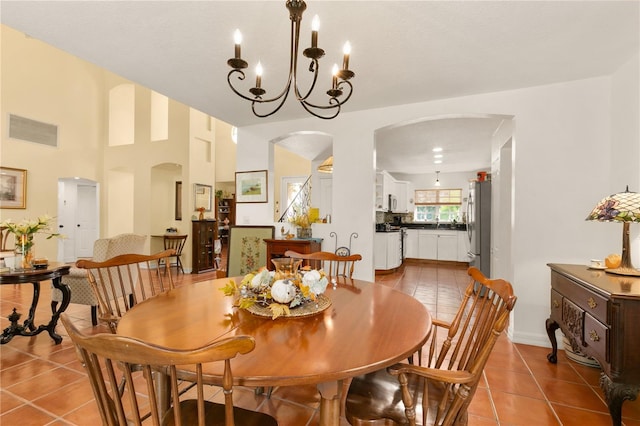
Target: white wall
(625, 139)
(562, 163)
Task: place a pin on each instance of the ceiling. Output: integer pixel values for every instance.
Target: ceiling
(402, 51)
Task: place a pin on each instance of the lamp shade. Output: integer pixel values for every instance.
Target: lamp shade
(621, 207)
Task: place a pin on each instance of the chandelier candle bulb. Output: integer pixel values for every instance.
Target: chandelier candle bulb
(347, 51)
(335, 77)
(258, 75)
(315, 26)
(237, 38)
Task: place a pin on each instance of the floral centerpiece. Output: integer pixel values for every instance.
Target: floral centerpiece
(24, 232)
(278, 293)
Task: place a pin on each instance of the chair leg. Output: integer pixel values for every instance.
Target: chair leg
(94, 315)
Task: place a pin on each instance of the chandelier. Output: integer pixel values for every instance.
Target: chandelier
(340, 80)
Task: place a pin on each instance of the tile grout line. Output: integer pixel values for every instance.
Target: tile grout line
(544, 395)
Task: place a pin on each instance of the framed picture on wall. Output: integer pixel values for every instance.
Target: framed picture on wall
(251, 187)
(202, 196)
(13, 188)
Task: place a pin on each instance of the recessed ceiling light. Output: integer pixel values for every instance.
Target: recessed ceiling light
(437, 149)
(437, 156)
(437, 162)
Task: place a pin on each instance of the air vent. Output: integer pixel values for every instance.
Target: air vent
(32, 131)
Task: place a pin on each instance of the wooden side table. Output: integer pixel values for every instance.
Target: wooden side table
(277, 248)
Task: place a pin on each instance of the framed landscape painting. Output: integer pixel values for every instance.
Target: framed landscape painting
(251, 187)
(13, 188)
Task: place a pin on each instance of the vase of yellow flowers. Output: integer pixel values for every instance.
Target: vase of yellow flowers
(24, 232)
(303, 224)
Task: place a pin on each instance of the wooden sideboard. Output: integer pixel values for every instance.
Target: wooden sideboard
(599, 313)
(277, 248)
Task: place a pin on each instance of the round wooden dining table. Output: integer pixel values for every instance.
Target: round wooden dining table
(368, 326)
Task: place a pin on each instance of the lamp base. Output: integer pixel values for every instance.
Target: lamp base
(631, 272)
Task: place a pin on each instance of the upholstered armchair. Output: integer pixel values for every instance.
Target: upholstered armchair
(103, 249)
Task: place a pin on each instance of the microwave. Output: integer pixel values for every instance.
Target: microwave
(393, 203)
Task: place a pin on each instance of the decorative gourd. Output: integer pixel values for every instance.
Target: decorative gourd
(283, 291)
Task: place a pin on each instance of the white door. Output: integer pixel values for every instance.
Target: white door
(86, 226)
(326, 194)
(78, 218)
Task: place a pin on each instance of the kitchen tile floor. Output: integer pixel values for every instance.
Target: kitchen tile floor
(43, 384)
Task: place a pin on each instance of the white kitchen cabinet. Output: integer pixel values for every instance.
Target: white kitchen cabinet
(448, 246)
(401, 194)
(387, 250)
(385, 185)
(438, 245)
(411, 244)
(427, 245)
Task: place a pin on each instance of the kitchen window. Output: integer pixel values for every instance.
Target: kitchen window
(437, 205)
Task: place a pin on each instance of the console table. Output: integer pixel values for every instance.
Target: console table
(53, 272)
(277, 248)
(599, 313)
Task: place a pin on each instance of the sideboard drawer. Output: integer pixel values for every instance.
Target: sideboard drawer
(589, 301)
(573, 319)
(596, 336)
(556, 306)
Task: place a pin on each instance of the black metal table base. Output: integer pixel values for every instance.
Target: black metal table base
(27, 328)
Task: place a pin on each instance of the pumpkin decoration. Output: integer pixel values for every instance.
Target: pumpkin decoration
(283, 291)
(613, 261)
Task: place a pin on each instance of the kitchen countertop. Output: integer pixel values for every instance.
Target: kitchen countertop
(442, 226)
(430, 226)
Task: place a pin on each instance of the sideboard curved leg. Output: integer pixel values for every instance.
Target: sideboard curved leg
(552, 326)
(616, 394)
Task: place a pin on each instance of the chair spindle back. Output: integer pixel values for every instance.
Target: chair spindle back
(123, 281)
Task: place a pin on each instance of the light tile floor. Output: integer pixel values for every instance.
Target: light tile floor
(43, 384)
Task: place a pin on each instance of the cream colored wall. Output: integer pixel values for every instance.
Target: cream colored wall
(225, 157)
(286, 163)
(44, 84)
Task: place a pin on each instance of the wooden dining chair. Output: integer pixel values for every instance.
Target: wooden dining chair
(440, 391)
(334, 266)
(176, 243)
(123, 281)
(147, 367)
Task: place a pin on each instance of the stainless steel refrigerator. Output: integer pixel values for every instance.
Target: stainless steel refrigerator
(479, 226)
